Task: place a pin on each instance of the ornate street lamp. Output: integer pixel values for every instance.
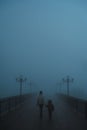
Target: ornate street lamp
(20, 79)
(30, 85)
(68, 81)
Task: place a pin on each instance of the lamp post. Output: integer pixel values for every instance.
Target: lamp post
(20, 79)
(30, 84)
(68, 80)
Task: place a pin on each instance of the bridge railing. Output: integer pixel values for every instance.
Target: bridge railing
(11, 103)
(77, 104)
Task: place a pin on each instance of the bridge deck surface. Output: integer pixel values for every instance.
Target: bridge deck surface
(27, 117)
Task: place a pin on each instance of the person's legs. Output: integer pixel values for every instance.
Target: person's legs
(50, 115)
(41, 111)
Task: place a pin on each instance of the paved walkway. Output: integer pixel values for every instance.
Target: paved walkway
(27, 118)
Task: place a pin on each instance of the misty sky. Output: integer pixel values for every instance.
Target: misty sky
(44, 40)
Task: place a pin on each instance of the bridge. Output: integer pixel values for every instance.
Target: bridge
(22, 114)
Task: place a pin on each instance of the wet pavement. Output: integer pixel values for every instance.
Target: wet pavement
(27, 117)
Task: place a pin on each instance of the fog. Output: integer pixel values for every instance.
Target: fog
(43, 40)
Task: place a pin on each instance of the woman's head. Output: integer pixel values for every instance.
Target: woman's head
(41, 92)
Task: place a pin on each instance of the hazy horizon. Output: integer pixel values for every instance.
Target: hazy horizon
(44, 41)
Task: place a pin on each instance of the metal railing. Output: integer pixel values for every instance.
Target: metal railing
(11, 103)
(78, 105)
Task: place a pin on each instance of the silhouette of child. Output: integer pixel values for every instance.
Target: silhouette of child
(50, 107)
